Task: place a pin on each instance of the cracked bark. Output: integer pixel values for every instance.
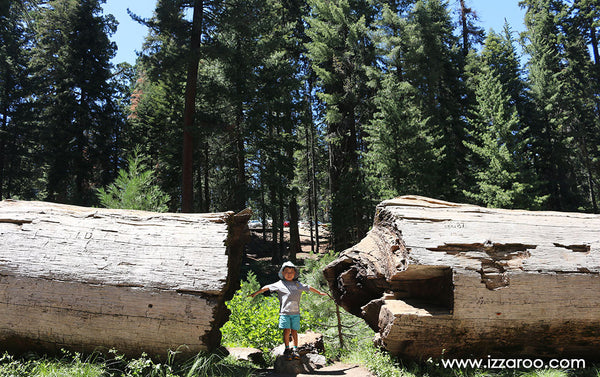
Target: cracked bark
(88, 278)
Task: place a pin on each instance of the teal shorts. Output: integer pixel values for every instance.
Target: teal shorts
(289, 321)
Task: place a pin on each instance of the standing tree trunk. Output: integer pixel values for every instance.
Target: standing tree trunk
(277, 257)
(281, 245)
(294, 229)
(309, 191)
(189, 111)
(594, 43)
(465, 27)
(3, 128)
(206, 208)
(313, 177)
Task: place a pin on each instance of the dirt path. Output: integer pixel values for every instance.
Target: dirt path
(337, 369)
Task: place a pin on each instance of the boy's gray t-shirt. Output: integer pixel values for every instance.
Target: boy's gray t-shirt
(289, 293)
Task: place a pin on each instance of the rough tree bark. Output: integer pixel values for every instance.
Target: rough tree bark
(89, 278)
(189, 112)
(437, 278)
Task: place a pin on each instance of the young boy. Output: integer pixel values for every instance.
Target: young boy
(289, 291)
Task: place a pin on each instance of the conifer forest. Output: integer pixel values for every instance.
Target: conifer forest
(304, 109)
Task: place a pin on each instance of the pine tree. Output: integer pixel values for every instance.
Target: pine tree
(496, 145)
(74, 97)
(238, 31)
(470, 32)
(19, 171)
(587, 15)
(168, 75)
(498, 127)
(155, 125)
(432, 66)
(560, 81)
(273, 119)
(341, 51)
(134, 187)
(189, 112)
(581, 91)
(402, 152)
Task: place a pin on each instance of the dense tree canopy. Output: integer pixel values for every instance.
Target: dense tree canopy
(304, 109)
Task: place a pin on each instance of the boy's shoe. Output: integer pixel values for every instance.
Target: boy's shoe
(288, 354)
(295, 354)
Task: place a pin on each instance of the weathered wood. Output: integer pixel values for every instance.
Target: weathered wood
(90, 278)
(437, 278)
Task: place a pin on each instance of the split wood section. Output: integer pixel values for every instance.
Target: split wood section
(94, 279)
(443, 279)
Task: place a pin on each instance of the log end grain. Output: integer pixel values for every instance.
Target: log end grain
(439, 278)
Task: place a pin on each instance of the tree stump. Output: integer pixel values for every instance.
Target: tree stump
(437, 278)
(91, 279)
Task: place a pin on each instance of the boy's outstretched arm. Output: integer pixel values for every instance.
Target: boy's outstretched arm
(318, 292)
(263, 289)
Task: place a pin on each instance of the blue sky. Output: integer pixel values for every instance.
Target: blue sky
(130, 35)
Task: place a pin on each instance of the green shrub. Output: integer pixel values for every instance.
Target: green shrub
(253, 321)
(135, 188)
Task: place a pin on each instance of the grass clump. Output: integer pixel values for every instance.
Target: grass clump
(201, 365)
(69, 365)
(117, 365)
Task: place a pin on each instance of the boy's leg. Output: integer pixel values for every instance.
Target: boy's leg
(286, 337)
(295, 326)
(284, 324)
(286, 340)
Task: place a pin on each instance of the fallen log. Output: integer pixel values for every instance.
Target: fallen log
(91, 279)
(437, 279)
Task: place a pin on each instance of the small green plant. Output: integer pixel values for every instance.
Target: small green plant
(201, 365)
(380, 363)
(135, 187)
(70, 365)
(116, 365)
(11, 367)
(253, 321)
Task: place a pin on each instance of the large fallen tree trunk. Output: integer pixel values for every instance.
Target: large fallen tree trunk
(89, 278)
(437, 278)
